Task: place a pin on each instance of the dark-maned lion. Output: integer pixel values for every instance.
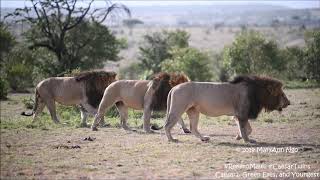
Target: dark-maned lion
(146, 95)
(244, 98)
(84, 89)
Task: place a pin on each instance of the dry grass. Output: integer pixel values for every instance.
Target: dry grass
(54, 152)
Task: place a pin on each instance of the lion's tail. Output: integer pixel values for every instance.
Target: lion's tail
(168, 110)
(36, 102)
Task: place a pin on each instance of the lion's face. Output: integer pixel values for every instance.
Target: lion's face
(283, 101)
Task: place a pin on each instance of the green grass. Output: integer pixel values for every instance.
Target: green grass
(301, 85)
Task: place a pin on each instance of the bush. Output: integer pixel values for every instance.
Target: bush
(295, 67)
(251, 53)
(18, 68)
(157, 46)
(312, 54)
(4, 87)
(190, 61)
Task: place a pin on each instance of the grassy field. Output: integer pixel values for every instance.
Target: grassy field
(288, 146)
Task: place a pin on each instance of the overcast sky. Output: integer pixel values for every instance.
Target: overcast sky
(291, 4)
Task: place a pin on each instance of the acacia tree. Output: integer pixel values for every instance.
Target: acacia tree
(55, 20)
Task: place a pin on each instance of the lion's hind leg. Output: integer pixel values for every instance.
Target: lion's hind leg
(194, 115)
(38, 110)
(123, 111)
(52, 109)
(172, 120)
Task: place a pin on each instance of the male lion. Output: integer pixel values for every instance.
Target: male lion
(146, 95)
(84, 89)
(244, 98)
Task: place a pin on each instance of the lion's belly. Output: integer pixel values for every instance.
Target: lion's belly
(69, 96)
(68, 100)
(216, 111)
(133, 101)
(216, 108)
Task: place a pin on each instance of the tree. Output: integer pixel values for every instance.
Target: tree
(89, 45)
(312, 54)
(192, 62)
(7, 42)
(157, 46)
(295, 66)
(252, 53)
(18, 68)
(56, 20)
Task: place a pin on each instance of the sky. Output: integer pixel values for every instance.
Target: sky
(292, 4)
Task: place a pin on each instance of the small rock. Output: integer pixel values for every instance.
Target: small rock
(75, 147)
(89, 139)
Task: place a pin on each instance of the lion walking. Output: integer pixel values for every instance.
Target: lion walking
(85, 90)
(146, 95)
(243, 98)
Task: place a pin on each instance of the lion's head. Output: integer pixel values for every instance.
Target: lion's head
(263, 92)
(95, 83)
(162, 83)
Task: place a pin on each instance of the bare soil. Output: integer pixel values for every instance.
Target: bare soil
(287, 144)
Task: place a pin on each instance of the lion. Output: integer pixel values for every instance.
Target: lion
(84, 90)
(244, 98)
(146, 95)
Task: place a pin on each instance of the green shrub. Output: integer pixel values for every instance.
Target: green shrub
(312, 54)
(192, 62)
(251, 53)
(4, 87)
(18, 68)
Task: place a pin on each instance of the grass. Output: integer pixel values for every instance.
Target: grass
(30, 150)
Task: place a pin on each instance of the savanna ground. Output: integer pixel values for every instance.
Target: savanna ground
(45, 150)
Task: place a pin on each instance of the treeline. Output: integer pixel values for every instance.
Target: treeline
(57, 44)
(250, 53)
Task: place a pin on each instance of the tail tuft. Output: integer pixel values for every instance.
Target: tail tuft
(25, 114)
(156, 127)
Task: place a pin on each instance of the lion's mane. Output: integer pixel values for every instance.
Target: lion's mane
(263, 92)
(164, 83)
(95, 84)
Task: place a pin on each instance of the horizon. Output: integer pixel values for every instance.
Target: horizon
(287, 4)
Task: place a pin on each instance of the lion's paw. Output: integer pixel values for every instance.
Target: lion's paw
(205, 138)
(186, 130)
(238, 137)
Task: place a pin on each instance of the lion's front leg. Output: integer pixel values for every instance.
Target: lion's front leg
(244, 131)
(147, 110)
(146, 120)
(83, 118)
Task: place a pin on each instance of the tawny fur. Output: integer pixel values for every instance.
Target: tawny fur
(243, 98)
(146, 95)
(84, 89)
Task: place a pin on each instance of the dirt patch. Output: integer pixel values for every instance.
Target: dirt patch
(290, 145)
